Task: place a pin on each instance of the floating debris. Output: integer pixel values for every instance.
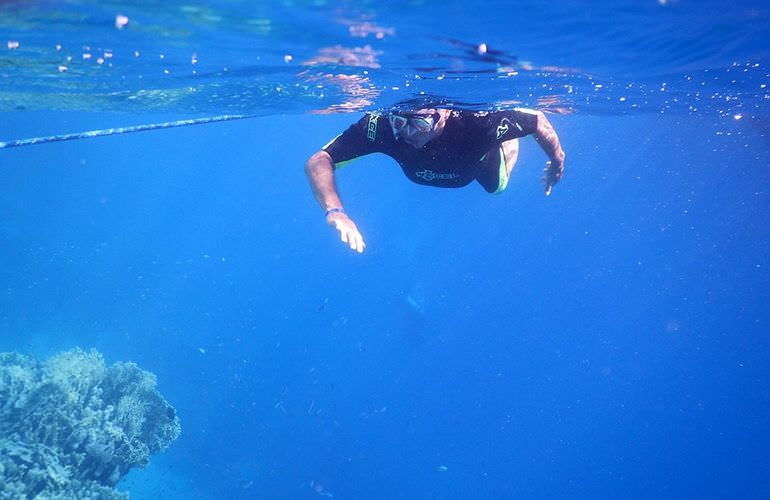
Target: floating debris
(320, 490)
(121, 21)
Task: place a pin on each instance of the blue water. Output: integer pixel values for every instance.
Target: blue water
(610, 341)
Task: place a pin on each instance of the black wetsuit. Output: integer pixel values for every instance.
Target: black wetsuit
(453, 159)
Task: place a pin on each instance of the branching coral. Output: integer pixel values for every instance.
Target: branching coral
(72, 428)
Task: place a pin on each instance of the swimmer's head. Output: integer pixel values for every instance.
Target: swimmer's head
(418, 127)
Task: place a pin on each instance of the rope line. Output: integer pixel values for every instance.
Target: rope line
(121, 130)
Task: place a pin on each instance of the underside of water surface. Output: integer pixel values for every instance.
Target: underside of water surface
(282, 56)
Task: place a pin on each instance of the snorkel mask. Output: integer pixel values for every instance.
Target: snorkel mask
(408, 124)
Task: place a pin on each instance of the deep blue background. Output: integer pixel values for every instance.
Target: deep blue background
(608, 341)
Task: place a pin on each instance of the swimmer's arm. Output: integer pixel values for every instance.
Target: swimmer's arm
(546, 137)
(320, 173)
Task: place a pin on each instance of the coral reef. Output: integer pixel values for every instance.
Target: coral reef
(71, 427)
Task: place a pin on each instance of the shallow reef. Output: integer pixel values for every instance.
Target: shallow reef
(72, 427)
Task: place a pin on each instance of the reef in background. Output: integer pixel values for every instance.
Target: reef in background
(71, 427)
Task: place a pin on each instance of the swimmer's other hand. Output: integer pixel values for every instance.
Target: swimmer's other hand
(348, 231)
(552, 173)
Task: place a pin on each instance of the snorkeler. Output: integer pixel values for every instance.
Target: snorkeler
(436, 147)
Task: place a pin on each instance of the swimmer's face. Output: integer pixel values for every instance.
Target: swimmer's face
(415, 128)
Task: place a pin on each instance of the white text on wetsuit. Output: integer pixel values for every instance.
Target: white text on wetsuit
(430, 175)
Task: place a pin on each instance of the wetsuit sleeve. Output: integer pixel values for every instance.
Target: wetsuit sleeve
(357, 140)
(506, 125)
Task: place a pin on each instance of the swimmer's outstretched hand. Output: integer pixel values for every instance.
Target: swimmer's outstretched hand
(552, 173)
(348, 231)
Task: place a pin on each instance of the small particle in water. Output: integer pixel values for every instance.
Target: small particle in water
(287, 58)
(320, 490)
(62, 69)
(482, 48)
(202, 350)
(121, 21)
(414, 305)
(137, 53)
(13, 44)
(442, 468)
(58, 47)
(738, 116)
(194, 59)
(86, 56)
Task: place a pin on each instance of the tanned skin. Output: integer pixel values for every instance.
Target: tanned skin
(320, 172)
(546, 136)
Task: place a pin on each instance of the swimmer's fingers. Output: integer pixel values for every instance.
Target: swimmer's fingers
(553, 173)
(356, 242)
(353, 238)
(349, 233)
(547, 184)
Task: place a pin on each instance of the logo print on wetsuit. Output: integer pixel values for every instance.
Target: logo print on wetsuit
(371, 131)
(430, 175)
(502, 129)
